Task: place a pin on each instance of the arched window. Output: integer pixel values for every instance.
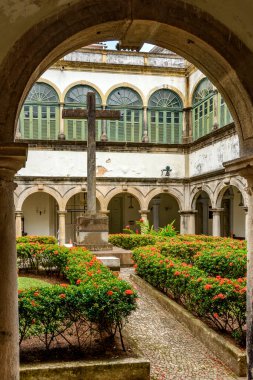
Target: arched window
(129, 127)
(39, 117)
(165, 117)
(202, 111)
(76, 97)
(225, 116)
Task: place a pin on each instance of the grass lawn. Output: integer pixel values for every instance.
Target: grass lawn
(28, 282)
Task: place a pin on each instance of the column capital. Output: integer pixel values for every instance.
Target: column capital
(187, 212)
(145, 212)
(105, 212)
(18, 213)
(217, 210)
(12, 158)
(187, 109)
(62, 212)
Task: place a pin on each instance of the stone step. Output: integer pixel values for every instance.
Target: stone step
(125, 256)
(111, 262)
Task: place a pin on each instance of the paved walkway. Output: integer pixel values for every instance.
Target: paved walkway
(173, 352)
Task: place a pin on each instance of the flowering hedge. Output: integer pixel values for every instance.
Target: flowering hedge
(37, 239)
(130, 241)
(93, 297)
(220, 301)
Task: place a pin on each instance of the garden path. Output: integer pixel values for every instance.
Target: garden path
(174, 353)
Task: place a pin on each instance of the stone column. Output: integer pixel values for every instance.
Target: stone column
(18, 215)
(61, 135)
(156, 204)
(144, 215)
(216, 221)
(187, 221)
(246, 222)
(145, 137)
(244, 167)
(62, 227)
(12, 158)
(187, 125)
(103, 136)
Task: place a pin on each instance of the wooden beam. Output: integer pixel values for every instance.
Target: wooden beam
(80, 113)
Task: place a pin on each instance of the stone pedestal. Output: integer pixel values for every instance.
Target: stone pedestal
(92, 232)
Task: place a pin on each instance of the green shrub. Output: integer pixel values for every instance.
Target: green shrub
(95, 298)
(37, 239)
(130, 241)
(221, 301)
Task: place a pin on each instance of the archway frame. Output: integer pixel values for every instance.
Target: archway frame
(63, 28)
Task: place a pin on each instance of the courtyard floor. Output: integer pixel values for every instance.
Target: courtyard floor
(174, 353)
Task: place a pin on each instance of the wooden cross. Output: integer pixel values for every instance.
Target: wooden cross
(91, 114)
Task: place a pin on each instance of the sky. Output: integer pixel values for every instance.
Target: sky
(111, 45)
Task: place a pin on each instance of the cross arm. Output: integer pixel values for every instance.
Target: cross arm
(79, 113)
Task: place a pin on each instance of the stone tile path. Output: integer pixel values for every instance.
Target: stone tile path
(173, 352)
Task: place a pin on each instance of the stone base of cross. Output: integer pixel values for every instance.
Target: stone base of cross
(92, 232)
(92, 228)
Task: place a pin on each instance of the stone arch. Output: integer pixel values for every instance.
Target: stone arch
(128, 85)
(61, 28)
(167, 87)
(85, 83)
(221, 189)
(130, 190)
(78, 189)
(153, 193)
(34, 189)
(196, 192)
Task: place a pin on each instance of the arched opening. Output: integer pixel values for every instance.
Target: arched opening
(233, 213)
(76, 97)
(165, 117)
(164, 209)
(40, 215)
(76, 206)
(204, 214)
(124, 211)
(129, 127)
(209, 111)
(39, 117)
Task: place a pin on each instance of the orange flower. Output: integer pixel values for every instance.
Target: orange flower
(129, 292)
(62, 295)
(208, 286)
(67, 268)
(78, 281)
(36, 294)
(216, 315)
(177, 273)
(110, 293)
(64, 285)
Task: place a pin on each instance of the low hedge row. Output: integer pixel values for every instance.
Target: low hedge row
(221, 301)
(131, 241)
(214, 258)
(94, 299)
(37, 239)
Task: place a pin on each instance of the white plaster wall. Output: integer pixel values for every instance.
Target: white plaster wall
(104, 81)
(211, 157)
(34, 223)
(46, 163)
(238, 216)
